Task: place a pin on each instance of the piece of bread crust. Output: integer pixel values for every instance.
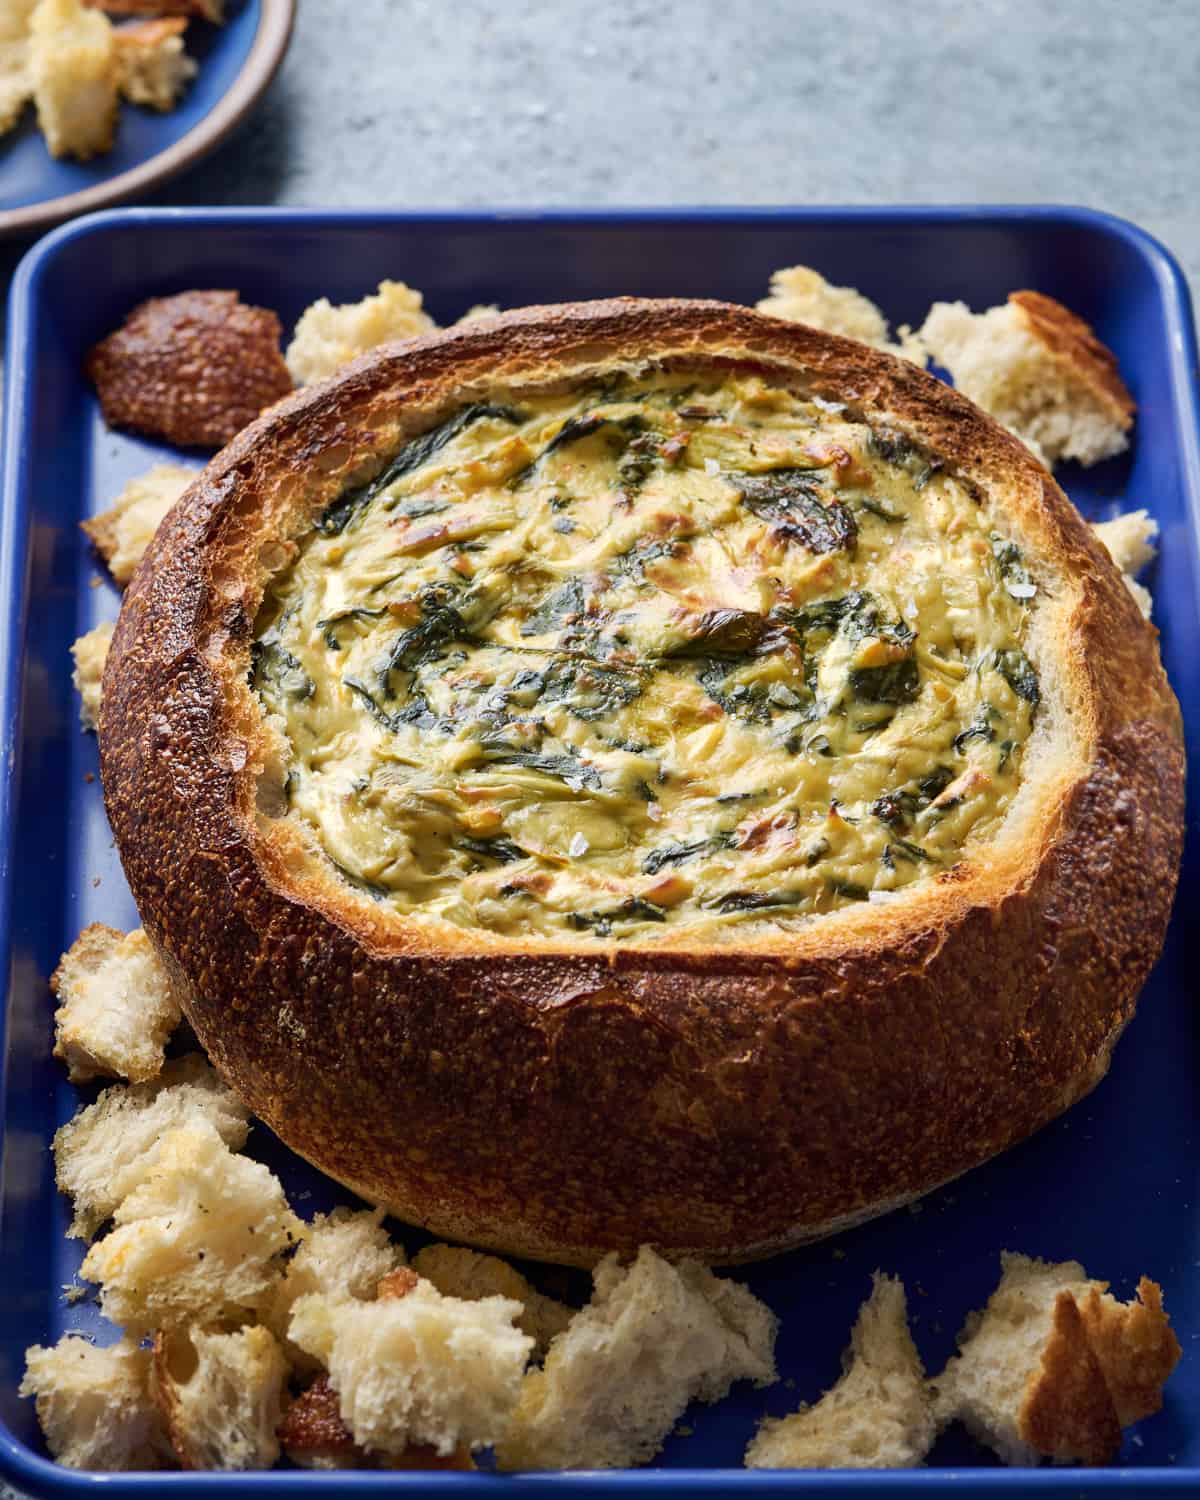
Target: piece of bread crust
(205, 10)
(653, 1338)
(194, 368)
(327, 337)
(123, 532)
(801, 295)
(315, 1437)
(879, 1415)
(73, 67)
(153, 68)
(1134, 1345)
(221, 1395)
(110, 1146)
(90, 652)
(198, 1239)
(116, 1010)
(94, 1405)
(459, 1272)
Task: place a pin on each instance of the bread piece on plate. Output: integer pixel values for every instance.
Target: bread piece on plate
(16, 82)
(1129, 540)
(123, 532)
(110, 1146)
(196, 1240)
(327, 336)
(221, 1395)
(1039, 370)
(654, 1337)
(599, 911)
(154, 69)
(116, 1010)
(802, 295)
(459, 1272)
(344, 1254)
(878, 1416)
(1036, 1378)
(194, 368)
(89, 653)
(418, 1368)
(205, 10)
(73, 65)
(94, 1405)
(315, 1437)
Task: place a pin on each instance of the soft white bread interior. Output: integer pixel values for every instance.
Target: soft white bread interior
(328, 336)
(1039, 370)
(221, 1395)
(196, 1240)
(152, 67)
(801, 295)
(459, 1272)
(16, 85)
(123, 532)
(110, 1146)
(1129, 541)
(94, 1405)
(654, 1337)
(418, 1368)
(879, 1415)
(73, 66)
(90, 652)
(116, 1011)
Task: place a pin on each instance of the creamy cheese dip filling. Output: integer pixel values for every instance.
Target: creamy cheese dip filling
(649, 654)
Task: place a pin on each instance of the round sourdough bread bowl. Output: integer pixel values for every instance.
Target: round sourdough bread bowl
(718, 1089)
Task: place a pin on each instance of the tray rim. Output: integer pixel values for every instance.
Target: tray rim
(19, 1465)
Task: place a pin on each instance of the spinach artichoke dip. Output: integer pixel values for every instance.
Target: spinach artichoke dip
(651, 654)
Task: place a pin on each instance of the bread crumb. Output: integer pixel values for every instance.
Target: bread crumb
(16, 82)
(221, 1396)
(459, 1272)
(616, 1381)
(116, 1011)
(94, 1405)
(327, 337)
(152, 67)
(73, 67)
(122, 533)
(879, 1414)
(801, 295)
(90, 652)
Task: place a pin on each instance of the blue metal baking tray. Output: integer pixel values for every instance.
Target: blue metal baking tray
(1113, 1183)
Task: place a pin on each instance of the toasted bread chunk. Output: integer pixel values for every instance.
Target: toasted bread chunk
(153, 68)
(16, 82)
(206, 10)
(94, 1405)
(123, 532)
(1039, 370)
(194, 368)
(116, 1011)
(878, 1416)
(418, 1368)
(801, 295)
(196, 1240)
(1129, 540)
(327, 337)
(73, 66)
(221, 1396)
(653, 1337)
(110, 1146)
(1031, 1383)
(315, 1437)
(342, 1254)
(90, 652)
(458, 1272)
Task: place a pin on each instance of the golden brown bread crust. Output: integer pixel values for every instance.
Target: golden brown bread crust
(560, 1100)
(1074, 343)
(1067, 1412)
(193, 369)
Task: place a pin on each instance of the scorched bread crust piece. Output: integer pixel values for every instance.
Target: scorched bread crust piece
(723, 1093)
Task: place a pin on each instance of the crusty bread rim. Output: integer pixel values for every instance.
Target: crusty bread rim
(501, 357)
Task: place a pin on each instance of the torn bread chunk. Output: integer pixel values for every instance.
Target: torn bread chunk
(459, 1272)
(879, 1415)
(153, 69)
(90, 652)
(110, 1146)
(16, 82)
(1039, 370)
(196, 1240)
(221, 1395)
(654, 1337)
(327, 337)
(73, 67)
(116, 1009)
(418, 1368)
(122, 533)
(1129, 541)
(1036, 1378)
(801, 295)
(342, 1254)
(94, 1405)
(315, 1437)
(205, 10)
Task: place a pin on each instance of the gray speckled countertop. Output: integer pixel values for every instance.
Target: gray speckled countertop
(424, 103)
